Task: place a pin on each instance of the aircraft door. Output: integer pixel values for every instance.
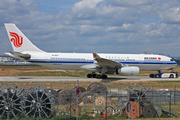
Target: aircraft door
(141, 59)
(48, 57)
(88, 59)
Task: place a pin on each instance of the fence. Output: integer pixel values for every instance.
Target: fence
(95, 100)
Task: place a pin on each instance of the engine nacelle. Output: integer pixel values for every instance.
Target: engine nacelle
(91, 68)
(128, 71)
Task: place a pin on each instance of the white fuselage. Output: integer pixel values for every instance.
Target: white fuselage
(74, 61)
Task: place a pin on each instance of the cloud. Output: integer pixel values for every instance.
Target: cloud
(112, 26)
(89, 30)
(171, 16)
(154, 33)
(125, 28)
(132, 3)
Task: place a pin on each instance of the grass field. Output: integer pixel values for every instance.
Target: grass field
(33, 70)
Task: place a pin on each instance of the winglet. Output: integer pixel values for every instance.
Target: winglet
(95, 55)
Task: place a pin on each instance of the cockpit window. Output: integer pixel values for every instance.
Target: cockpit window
(171, 59)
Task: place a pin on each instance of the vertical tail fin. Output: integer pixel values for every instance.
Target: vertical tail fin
(18, 40)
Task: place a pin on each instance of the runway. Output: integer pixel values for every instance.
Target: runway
(110, 78)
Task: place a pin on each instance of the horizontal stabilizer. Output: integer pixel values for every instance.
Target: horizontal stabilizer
(20, 55)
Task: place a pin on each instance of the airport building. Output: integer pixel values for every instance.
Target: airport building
(7, 60)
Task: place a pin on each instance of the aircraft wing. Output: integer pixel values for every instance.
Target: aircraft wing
(20, 55)
(106, 62)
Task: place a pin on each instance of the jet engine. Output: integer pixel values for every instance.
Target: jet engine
(91, 67)
(128, 71)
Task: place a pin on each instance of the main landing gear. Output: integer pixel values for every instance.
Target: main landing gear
(93, 75)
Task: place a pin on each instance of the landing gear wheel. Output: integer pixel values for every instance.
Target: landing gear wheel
(104, 76)
(94, 75)
(89, 75)
(157, 76)
(171, 76)
(98, 76)
(151, 75)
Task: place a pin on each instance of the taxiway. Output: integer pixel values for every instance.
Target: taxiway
(113, 78)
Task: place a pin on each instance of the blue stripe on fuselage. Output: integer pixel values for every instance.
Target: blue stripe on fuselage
(92, 61)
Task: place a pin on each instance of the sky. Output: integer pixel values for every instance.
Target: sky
(102, 26)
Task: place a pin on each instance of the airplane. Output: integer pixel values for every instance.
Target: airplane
(121, 64)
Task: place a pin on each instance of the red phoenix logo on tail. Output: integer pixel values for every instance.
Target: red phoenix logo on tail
(17, 40)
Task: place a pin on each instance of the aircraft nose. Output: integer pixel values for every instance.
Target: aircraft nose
(175, 63)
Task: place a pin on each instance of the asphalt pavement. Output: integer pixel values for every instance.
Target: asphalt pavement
(110, 78)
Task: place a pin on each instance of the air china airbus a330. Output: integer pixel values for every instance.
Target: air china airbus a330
(122, 64)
